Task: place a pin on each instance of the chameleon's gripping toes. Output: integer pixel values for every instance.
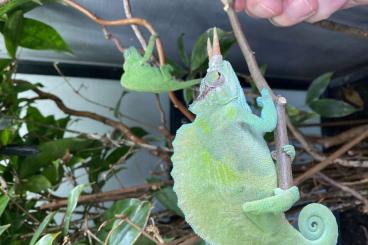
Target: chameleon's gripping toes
(141, 76)
(224, 175)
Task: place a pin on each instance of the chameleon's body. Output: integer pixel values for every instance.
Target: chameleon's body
(141, 76)
(225, 177)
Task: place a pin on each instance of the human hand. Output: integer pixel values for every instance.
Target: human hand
(291, 12)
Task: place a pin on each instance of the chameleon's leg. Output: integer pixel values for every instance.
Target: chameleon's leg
(288, 149)
(282, 201)
(268, 119)
(149, 49)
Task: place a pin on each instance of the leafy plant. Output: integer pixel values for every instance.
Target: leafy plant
(326, 107)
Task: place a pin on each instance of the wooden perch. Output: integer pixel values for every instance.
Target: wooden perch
(285, 180)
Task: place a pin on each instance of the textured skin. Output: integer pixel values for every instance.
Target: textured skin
(140, 76)
(225, 178)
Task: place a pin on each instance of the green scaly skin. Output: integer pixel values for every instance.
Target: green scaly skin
(140, 76)
(224, 175)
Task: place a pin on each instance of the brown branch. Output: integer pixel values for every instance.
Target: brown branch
(347, 189)
(163, 129)
(137, 32)
(121, 22)
(114, 195)
(149, 27)
(109, 36)
(343, 137)
(283, 162)
(284, 171)
(246, 50)
(338, 27)
(327, 161)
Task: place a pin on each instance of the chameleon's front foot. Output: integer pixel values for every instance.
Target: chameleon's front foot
(265, 95)
(282, 201)
(288, 149)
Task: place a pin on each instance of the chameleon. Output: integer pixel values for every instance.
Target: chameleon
(139, 75)
(224, 175)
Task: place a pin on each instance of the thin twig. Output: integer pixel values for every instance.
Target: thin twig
(120, 22)
(109, 36)
(137, 32)
(126, 219)
(338, 27)
(162, 126)
(118, 194)
(346, 189)
(283, 162)
(327, 161)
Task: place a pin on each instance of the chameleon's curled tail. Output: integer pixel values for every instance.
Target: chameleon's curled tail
(318, 225)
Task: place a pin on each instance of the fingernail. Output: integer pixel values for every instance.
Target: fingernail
(299, 9)
(261, 10)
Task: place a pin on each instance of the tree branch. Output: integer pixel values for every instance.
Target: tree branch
(327, 161)
(338, 27)
(345, 188)
(283, 161)
(114, 195)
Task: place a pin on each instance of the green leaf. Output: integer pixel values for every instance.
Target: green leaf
(188, 95)
(183, 55)
(52, 172)
(117, 154)
(40, 36)
(332, 108)
(72, 204)
(14, 5)
(4, 63)
(5, 135)
(137, 212)
(4, 200)
(168, 198)
(140, 132)
(317, 87)
(199, 52)
(50, 151)
(12, 32)
(36, 183)
(42, 227)
(143, 240)
(3, 228)
(298, 116)
(48, 239)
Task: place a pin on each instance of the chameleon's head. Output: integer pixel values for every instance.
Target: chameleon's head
(220, 85)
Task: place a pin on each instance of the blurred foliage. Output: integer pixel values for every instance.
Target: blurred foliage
(32, 179)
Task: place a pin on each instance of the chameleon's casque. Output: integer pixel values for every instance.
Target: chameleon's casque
(225, 177)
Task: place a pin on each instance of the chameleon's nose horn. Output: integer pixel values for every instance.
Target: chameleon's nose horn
(209, 49)
(216, 44)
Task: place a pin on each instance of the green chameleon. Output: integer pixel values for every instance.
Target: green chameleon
(141, 76)
(225, 177)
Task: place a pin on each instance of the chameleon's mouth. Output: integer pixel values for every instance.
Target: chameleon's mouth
(208, 87)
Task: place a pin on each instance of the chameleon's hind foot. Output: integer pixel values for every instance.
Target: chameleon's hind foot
(288, 149)
(282, 201)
